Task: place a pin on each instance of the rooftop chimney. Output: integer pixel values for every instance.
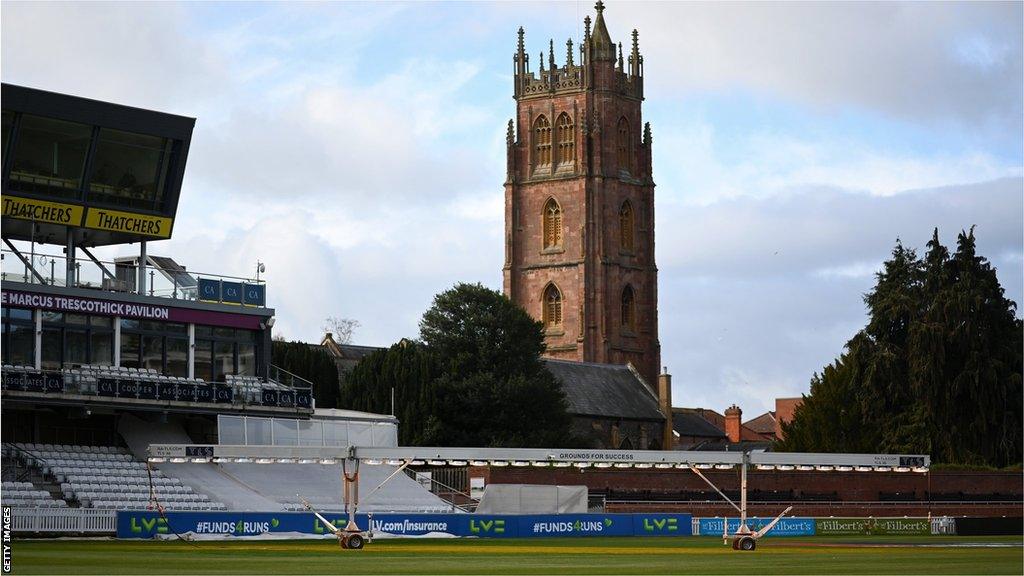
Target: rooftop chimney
(733, 414)
(665, 405)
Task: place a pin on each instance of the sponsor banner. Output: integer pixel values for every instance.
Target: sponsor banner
(147, 524)
(785, 527)
(81, 305)
(872, 526)
(225, 292)
(41, 211)
(128, 222)
(576, 525)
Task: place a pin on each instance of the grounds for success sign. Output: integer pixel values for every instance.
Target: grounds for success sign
(147, 524)
(785, 527)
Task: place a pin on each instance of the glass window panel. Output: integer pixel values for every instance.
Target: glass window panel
(102, 352)
(286, 432)
(130, 350)
(129, 169)
(75, 319)
(19, 313)
(52, 317)
(224, 332)
(151, 325)
(50, 156)
(223, 359)
(8, 126)
(204, 331)
(230, 430)
(129, 324)
(246, 359)
(153, 353)
(175, 328)
(385, 435)
(335, 433)
(257, 431)
(22, 344)
(177, 357)
(77, 343)
(102, 322)
(311, 432)
(360, 434)
(52, 344)
(204, 359)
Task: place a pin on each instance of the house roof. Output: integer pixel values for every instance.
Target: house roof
(718, 421)
(346, 351)
(763, 424)
(606, 390)
(687, 423)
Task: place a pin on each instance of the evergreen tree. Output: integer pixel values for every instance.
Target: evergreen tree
(937, 369)
(312, 363)
(475, 380)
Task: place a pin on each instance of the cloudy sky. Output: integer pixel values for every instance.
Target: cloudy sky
(358, 150)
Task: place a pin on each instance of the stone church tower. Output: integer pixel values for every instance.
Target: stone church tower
(579, 203)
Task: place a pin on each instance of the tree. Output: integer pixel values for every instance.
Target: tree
(313, 363)
(407, 369)
(937, 369)
(341, 329)
(476, 378)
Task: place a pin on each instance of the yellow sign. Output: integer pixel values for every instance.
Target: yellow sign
(41, 211)
(128, 222)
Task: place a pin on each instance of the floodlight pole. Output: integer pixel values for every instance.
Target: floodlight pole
(743, 494)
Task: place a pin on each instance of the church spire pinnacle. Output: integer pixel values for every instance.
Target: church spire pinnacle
(604, 48)
(635, 60)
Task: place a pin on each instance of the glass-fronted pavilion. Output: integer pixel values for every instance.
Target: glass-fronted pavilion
(81, 173)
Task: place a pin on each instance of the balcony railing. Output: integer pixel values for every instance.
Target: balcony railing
(170, 281)
(114, 383)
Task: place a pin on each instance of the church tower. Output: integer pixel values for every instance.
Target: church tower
(579, 203)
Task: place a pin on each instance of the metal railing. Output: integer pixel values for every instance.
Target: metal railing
(51, 270)
(445, 491)
(113, 384)
(282, 376)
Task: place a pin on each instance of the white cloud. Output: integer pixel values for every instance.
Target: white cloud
(919, 60)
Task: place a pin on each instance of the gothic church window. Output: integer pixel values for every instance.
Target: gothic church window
(552, 224)
(552, 307)
(542, 142)
(566, 141)
(626, 226)
(628, 310)
(624, 140)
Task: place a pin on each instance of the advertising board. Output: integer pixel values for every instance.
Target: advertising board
(149, 524)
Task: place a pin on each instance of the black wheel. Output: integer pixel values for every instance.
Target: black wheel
(355, 542)
(747, 543)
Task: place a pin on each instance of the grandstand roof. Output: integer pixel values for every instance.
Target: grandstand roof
(607, 390)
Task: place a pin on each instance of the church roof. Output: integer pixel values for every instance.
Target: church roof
(605, 390)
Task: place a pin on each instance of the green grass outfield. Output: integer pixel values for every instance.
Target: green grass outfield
(819, 555)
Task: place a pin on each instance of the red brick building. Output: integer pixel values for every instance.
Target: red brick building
(579, 203)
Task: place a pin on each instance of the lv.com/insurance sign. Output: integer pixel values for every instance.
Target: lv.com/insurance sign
(147, 524)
